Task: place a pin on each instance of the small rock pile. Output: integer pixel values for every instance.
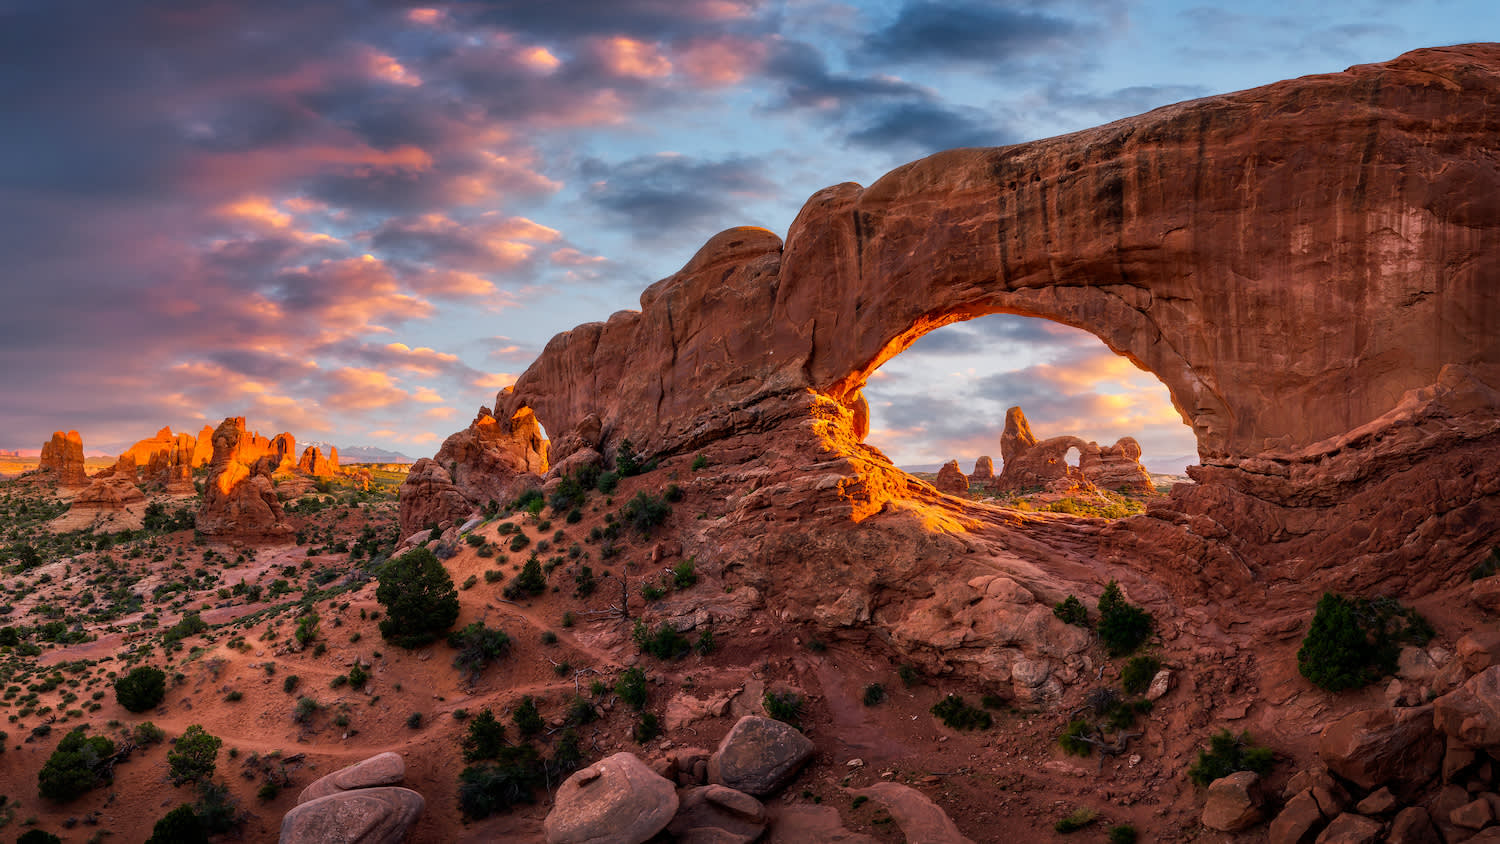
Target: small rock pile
(360, 803)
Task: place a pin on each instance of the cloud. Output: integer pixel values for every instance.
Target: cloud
(985, 32)
(355, 389)
(489, 242)
(923, 126)
(661, 196)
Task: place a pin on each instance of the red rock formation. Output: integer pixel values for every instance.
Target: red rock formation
(1306, 266)
(167, 458)
(108, 505)
(477, 465)
(333, 459)
(951, 479)
(1030, 464)
(62, 456)
(984, 472)
(314, 463)
(284, 448)
(203, 448)
(239, 499)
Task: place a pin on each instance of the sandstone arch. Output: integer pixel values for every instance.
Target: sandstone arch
(1309, 267)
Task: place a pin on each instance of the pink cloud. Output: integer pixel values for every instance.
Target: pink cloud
(721, 61)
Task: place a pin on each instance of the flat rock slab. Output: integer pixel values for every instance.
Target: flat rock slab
(759, 756)
(716, 813)
(802, 823)
(384, 769)
(618, 800)
(366, 816)
(920, 819)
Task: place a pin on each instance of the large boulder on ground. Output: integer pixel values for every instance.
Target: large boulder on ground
(382, 769)
(1375, 747)
(365, 816)
(1298, 821)
(759, 756)
(920, 819)
(1233, 802)
(1471, 713)
(1412, 826)
(716, 813)
(1350, 828)
(618, 800)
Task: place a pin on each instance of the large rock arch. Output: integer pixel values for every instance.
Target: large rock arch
(1312, 268)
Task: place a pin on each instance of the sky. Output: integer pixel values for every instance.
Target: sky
(357, 220)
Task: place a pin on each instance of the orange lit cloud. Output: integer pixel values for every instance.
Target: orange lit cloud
(721, 61)
(539, 59)
(425, 16)
(386, 68)
(495, 381)
(363, 390)
(628, 57)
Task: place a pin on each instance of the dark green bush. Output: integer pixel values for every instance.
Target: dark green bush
(627, 462)
(632, 689)
(477, 647)
(495, 786)
(1072, 738)
(1071, 611)
(38, 836)
(485, 738)
(419, 598)
(1076, 820)
(193, 757)
(1122, 834)
(142, 689)
(665, 643)
(953, 711)
(1486, 567)
(700, 462)
(646, 729)
(1123, 627)
(531, 580)
(78, 764)
(526, 717)
(1354, 641)
(1136, 676)
(645, 513)
(874, 694)
(1227, 753)
(684, 574)
(784, 706)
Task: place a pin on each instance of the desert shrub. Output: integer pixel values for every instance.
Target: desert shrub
(1123, 627)
(305, 709)
(142, 689)
(1486, 567)
(1072, 739)
(1076, 820)
(584, 583)
(1354, 641)
(1123, 834)
(37, 836)
(874, 694)
(485, 738)
(631, 687)
(146, 734)
(192, 758)
(705, 643)
(414, 721)
(1071, 611)
(665, 643)
(784, 706)
(569, 494)
(419, 599)
(289, 684)
(496, 785)
(607, 482)
(519, 541)
(646, 729)
(581, 712)
(684, 574)
(652, 592)
(307, 628)
(1227, 753)
(79, 763)
(673, 493)
(526, 717)
(477, 646)
(358, 676)
(531, 580)
(627, 462)
(645, 513)
(953, 711)
(1136, 676)
(700, 462)
(189, 625)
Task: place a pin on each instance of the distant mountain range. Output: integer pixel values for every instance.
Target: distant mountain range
(363, 453)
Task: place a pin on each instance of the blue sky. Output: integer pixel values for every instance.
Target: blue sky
(356, 220)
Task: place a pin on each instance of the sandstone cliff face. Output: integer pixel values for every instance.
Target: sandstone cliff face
(483, 463)
(314, 463)
(1307, 266)
(62, 456)
(239, 499)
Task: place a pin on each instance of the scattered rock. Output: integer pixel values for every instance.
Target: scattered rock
(1234, 802)
(1376, 746)
(617, 800)
(759, 756)
(366, 816)
(1350, 828)
(1161, 683)
(1377, 803)
(1471, 713)
(1297, 821)
(1412, 826)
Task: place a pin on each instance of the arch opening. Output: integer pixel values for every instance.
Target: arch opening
(1085, 411)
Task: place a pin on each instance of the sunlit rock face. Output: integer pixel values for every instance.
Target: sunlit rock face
(485, 462)
(1309, 268)
(62, 456)
(239, 498)
(1031, 464)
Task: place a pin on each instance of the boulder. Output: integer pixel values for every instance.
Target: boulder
(617, 800)
(1478, 650)
(1297, 822)
(1475, 814)
(920, 819)
(1234, 802)
(1373, 747)
(488, 461)
(1377, 803)
(717, 813)
(366, 816)
(1350, 828)
(951, 479)
(1471, 713)
(382, 769)
(759, 756)
(1412, 826)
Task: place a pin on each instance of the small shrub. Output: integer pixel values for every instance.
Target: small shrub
(953, 711)
(1354, 641)
(1071, 611)
(627, 463)
(785, 706)
(526, 717)
(700, 462)
(1122, 834)
(414, 721)
(518, 542)
(1136, 676)
(485, 738)
(908, 674)
(305, 709)
(652, 592)
(289, 685)
(235, 696)
(646, 729)
(531, 580)
(665, 643)
(1123, 627)
(142, 689)
(179, 826)
(1076, 820)
(632, 689)
(684, 574)
(1486, 567)
(495, 786)
(1227, 753)
(358, 676)
(581, 712)
(645, 513)
(192, 758)
(268, 791)
(705, 643)
(673, 493)
(874, 694)
(477, 647)
(1073, 738)
(147, 734)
